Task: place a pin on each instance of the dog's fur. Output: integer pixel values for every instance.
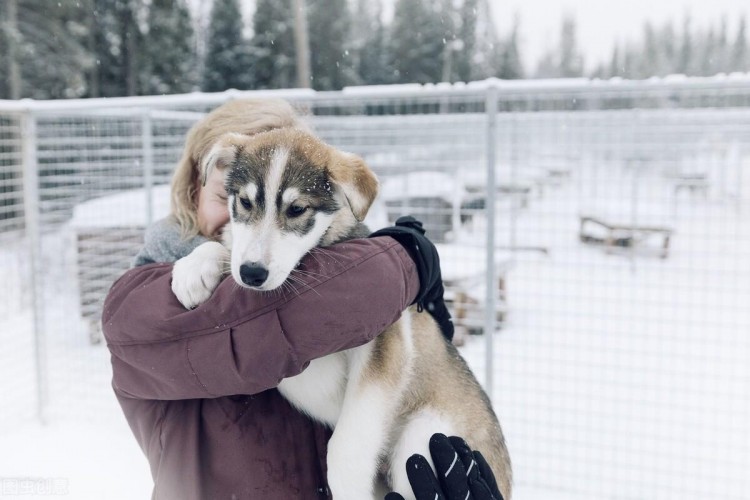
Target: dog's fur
(288, 193)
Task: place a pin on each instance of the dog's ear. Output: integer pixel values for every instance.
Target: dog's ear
(220, 155)
(358, 183)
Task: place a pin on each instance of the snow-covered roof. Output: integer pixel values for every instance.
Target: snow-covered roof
(504, 176)
(126, 209)
(459, 262)
(422, 185)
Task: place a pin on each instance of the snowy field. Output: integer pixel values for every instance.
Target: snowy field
(617, 375)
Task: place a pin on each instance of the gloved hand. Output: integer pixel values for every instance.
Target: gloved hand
(409, 232)
(464, 474)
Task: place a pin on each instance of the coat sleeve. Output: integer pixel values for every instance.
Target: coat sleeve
(242, 341)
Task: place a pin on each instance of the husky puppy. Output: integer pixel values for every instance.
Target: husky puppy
(288, 193)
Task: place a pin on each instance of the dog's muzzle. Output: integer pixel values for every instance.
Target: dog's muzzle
(253, 274)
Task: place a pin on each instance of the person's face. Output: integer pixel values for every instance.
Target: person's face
(213, 213)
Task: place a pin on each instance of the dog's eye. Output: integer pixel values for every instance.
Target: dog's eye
(246, 203)
(296, 210)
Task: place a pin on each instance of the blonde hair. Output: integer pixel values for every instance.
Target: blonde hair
(244, 116)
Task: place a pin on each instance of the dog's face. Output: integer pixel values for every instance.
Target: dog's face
(287, 193)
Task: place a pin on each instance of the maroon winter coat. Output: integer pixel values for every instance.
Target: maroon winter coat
(197, 386)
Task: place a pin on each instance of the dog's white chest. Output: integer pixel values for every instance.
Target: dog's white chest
(319, 390)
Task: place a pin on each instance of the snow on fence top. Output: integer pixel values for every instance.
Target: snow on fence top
(574, 85)
(126, 209)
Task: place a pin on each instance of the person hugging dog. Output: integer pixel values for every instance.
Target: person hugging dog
(198, 386)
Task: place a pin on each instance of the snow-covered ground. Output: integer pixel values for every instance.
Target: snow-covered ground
(617, 376)
(83, 461)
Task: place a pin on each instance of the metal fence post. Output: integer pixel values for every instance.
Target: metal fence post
(491, 292)
(33, 232)
(147, 143)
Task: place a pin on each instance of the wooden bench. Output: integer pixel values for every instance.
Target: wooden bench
(618, 236)
(694, 183)
(476, 197)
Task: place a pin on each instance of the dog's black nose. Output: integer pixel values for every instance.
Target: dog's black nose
(253, 274)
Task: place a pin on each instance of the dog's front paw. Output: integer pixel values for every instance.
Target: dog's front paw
(195, 277)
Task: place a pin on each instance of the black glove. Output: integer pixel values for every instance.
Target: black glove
(409, 232)
(451, 455)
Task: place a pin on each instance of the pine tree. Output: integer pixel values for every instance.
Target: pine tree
(600, 72)
(417, 42)
(511, 67)
(168, 71)
(272, 52)
(667, 40)
(369, 48)
(695, 52)
(740, 59)
(648, 63)
(547, 66)
(226, 53)
(708, 58)
(114, 39)
(630, 61)
(467, 42)
(721, 54)
(685, 56)
(450, 25)
(331, 59)
(50, 50)
(8, 37)
(486, 56)
(615, 64)
(570, 59)
(654, 55)
(564, 61)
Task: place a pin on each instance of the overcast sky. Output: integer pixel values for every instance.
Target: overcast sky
(603, 22)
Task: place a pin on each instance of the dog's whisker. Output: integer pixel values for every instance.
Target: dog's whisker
(310, 274)
(289, 283)
(326, 253)
(306, 285)
(312, 254)
(299, 272)
(292, 288)
(331, 255)
(296, 279)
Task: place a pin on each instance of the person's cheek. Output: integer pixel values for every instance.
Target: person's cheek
(222, 214)
(219, 218)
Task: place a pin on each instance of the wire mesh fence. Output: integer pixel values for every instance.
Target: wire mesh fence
(606, 223)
